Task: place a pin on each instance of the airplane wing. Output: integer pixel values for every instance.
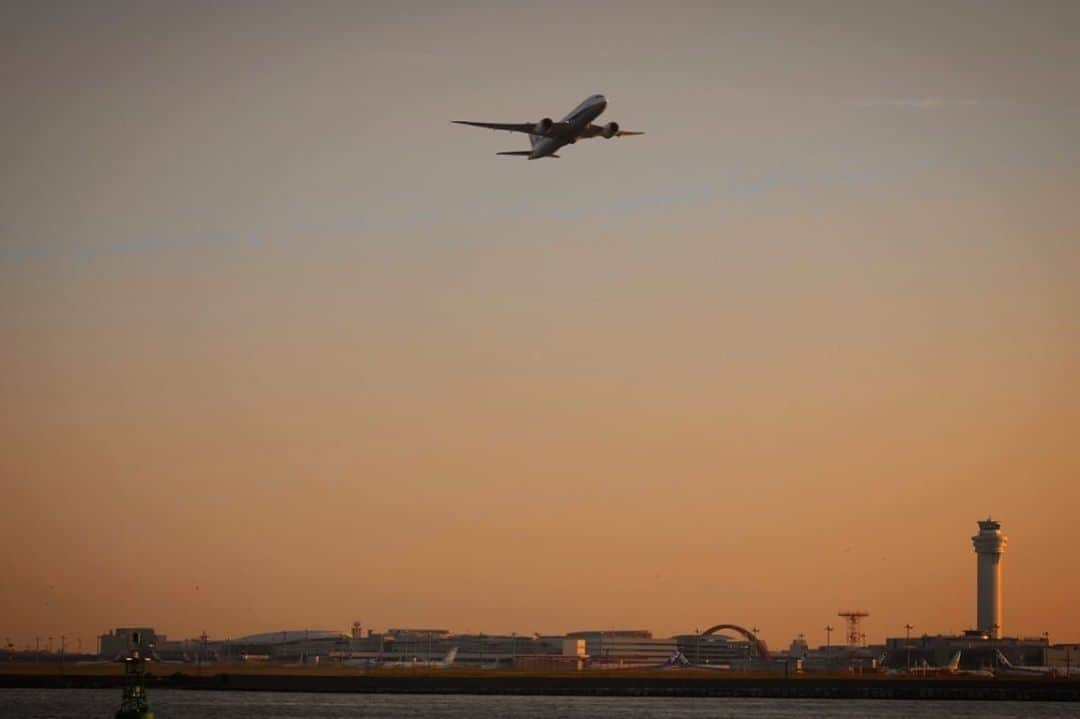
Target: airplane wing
(554, 129)
(526, 127)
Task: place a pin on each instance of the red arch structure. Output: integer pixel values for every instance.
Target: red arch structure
(762, 648)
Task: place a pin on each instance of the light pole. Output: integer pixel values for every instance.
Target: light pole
(828, 635)
(907, 643)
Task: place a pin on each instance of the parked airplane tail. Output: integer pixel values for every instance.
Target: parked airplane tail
(1003, 659)
(450, 656)
(954, 663)
(675, 660)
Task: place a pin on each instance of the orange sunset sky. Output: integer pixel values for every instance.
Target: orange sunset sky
(283, 348)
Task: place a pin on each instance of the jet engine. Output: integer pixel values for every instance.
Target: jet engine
(544, 126)
(610, 130)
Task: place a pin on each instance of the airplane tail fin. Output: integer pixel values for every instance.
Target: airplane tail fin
(450, 656)
(954, 663)
(520, 153)
(675, 660)
(1003, 659)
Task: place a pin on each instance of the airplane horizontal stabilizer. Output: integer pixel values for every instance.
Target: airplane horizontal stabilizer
(522, 153)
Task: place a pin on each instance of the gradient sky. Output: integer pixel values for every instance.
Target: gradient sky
(282, 347)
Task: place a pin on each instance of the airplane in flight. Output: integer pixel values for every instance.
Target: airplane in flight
(548, 136)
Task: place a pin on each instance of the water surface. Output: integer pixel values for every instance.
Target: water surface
(181, 704)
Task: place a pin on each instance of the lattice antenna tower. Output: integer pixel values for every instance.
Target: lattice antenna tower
(853, 617)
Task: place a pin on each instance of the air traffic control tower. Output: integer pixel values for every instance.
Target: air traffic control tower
(990, 545)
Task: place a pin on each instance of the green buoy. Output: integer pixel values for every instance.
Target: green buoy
(133, 705)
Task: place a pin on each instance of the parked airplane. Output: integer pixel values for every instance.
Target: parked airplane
(548, 136)
(679, 661)
(443, 663)
(1009, 668)
(953, 668)
(675, 661)
(923, 668)
(950, 668)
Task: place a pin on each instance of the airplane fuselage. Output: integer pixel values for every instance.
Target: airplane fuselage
(572, 126)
